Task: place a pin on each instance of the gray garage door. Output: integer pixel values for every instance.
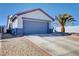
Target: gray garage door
(33, 27)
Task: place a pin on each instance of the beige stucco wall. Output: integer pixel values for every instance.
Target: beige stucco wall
(15, 24)
(20, 22)
(36, 15)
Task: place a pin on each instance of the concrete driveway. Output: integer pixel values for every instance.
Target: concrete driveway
(55, 45)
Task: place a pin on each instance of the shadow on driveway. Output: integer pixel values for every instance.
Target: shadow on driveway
(54, 34)
(8, 36)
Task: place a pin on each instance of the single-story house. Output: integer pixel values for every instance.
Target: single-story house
(34, 21)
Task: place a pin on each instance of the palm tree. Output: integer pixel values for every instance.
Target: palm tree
(64, 19)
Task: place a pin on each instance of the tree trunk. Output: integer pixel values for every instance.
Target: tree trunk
(62, 28)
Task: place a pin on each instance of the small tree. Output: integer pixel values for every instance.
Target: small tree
(64, 19)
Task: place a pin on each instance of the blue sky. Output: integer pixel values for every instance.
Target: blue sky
(51, 8)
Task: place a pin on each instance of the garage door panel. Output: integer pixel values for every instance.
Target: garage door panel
(32, 27)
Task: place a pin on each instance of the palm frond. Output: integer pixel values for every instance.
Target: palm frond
(64, 19)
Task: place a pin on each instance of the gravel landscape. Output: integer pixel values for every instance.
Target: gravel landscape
(74, 37)
(20, 47)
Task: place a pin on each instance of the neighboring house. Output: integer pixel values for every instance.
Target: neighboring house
(1, 29)
(30, 22)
